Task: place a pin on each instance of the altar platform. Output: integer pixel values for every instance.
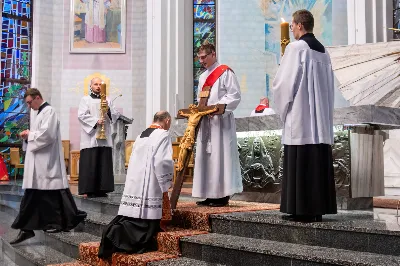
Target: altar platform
(245, 233)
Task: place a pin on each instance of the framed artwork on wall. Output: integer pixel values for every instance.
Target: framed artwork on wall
(97, 26)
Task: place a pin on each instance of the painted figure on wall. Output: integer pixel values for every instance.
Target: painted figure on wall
(95, 20)
(98, 26)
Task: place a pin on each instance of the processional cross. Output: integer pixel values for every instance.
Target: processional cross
(194, 114)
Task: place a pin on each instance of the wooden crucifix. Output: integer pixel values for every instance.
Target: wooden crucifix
(194, 114)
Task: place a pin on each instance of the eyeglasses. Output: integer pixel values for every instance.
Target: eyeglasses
(29, 102)
(203, 57)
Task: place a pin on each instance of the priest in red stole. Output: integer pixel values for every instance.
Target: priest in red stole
(263, 108)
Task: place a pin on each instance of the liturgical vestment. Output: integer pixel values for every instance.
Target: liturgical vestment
(96, 175)
(303, 93)
(217, 168)
(149, 175)
(47, 202)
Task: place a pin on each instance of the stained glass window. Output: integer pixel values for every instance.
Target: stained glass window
(204, 28)
(16, 54)
(396, 19)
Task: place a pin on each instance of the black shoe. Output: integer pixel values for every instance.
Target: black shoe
(221, 202)
(22, 236)
(203, 202)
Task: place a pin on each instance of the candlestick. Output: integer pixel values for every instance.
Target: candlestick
(285, 39)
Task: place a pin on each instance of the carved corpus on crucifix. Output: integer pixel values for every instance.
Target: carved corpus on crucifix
(194, 114)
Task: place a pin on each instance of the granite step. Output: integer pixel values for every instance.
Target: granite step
(236, 250)
(67, 242)
(183, 262)
(31, 252)
(351, 230)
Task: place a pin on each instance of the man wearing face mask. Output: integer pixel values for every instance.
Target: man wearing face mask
(148, 179)
(217, 168)
(96, 177)
(303, 94)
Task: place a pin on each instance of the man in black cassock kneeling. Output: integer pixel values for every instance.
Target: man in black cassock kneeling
(148, 179)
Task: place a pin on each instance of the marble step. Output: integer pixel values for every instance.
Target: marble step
(6, 261)
(183, 262)
(236, 250)
(10, 186)
(67, 242)
(31, 252)
(355, 230)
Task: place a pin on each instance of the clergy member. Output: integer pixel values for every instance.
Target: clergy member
(217, 169)
(148, 178)
(263, 108)
(96, 177)
(303, 95)
(47, 203)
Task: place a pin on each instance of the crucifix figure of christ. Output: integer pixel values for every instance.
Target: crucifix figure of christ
(194, 114)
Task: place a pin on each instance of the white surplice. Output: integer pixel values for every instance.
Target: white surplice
(303, 93)
(217, 169)
(44, 167)
(88, 115)
(149, 175)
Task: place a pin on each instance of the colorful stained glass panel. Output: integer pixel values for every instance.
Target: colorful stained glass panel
(21, 8)
(204, 12)
(204, 2)
(15, 68)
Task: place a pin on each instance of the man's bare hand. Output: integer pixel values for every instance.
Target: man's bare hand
(100, 122)
(24, 134)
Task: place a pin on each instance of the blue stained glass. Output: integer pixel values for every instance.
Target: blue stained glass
(17, 7)
(15, 68)
(204, 12)
(203, 2)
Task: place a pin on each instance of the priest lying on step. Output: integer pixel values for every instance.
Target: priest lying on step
(148, 179)
(96, 176)
(217, 170)
(47, 203)
(304, 93)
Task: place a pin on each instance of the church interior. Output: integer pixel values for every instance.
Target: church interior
(146, 52)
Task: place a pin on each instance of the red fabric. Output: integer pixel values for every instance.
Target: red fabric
(212, 78)
(261, 107)
(3, 171)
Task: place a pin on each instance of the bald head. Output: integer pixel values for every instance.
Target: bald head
(264, 100)
(95, 84)
(162, 118)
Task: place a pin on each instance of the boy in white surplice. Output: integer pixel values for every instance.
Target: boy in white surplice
(148, 179)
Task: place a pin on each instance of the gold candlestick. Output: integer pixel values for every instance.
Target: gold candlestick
(285, 39)
(103, 111)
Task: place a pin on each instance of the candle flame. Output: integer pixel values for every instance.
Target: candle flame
(283, 20)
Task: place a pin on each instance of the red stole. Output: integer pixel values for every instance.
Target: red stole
(260, 108)
(212, 78)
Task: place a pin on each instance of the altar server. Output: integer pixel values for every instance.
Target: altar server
(217, 169)
(303, 94)
(96, 177)
(47, 203)
(148, 179)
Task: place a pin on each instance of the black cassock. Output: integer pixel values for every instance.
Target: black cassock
(96, 175)
(308, 185)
